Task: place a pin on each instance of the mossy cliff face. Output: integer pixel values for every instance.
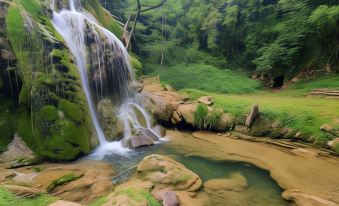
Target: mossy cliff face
(40, 90)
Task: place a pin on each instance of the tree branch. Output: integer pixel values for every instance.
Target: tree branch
(154, 7)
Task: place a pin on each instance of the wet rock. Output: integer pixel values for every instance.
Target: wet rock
(303, 199)
(95, 182)
(161, 104)
(169, 198)
(22, 191)
(150, 133)
(136, 86)
(167, 173)
(112, 126)
(207, 100)
(138, 141)
(159, 130)
(236, 183)
(7, 54)
(64, 203)
(18, 154)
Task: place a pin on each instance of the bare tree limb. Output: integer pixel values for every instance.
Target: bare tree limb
(140, 10)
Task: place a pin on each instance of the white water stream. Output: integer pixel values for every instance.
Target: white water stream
(76, 25)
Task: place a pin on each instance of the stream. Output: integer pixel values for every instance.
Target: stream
(262, 189)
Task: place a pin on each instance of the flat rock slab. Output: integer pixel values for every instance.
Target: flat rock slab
(316, 176)
(64, 203)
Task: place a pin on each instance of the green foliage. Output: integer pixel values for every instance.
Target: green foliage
(203, 118)
(200, 115)
(279, 37)
(207, 78)
(8, 198)
(63, 180)
(99, 201)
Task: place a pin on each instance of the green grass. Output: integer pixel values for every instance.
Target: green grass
(304, 87)
(305, 114)
(7, 198)
(207, 78)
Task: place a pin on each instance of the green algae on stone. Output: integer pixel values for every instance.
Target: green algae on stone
(63, 180)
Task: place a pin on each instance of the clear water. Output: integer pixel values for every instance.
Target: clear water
(262, 190)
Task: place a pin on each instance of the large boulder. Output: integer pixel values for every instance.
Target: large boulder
(207, 100)
(137, 141)
(164, 172)
(144, 137)
(186, 112)
(161, 104)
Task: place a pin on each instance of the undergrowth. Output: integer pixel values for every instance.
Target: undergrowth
(207, 78)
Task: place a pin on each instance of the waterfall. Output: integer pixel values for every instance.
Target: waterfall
(110, 74)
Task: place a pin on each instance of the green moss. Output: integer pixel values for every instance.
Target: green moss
(49, 113)
(26, 130)
(140, 195)
(7, 126)
(33, 7)
(63, 180)
(7, 198)
(71, 110)
(99, 201)
(38, 169)
(65, 59)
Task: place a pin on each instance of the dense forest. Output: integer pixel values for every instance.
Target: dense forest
(268, 38)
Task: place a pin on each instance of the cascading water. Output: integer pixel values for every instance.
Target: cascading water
(110, 74)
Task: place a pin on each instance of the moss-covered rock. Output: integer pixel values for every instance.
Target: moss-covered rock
(52, 117)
